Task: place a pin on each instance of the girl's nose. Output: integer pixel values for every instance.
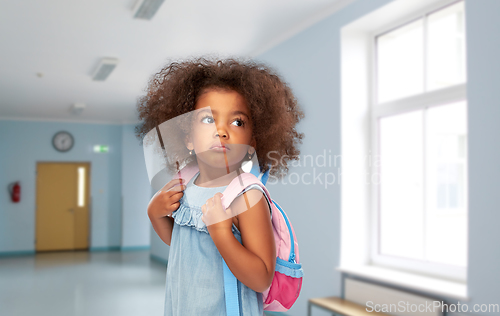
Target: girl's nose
(221, 134)
(221, 131)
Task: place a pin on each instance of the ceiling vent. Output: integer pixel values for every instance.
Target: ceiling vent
(146, 9)
(77, 108)
(104, 69)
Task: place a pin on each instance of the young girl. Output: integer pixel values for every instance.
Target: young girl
(250, 106)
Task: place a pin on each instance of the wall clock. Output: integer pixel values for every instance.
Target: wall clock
(63, 141)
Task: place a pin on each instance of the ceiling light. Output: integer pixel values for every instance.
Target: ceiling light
(105, 68)
(146, 9)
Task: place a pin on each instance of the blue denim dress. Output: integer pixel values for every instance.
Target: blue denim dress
(195, 282)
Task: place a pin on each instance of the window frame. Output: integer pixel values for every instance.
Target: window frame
(425, 100)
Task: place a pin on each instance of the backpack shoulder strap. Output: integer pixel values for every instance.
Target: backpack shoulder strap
(187, 172)
(235, 187)
(240, 183)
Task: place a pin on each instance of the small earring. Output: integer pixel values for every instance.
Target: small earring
(249, 156)
(190, 152)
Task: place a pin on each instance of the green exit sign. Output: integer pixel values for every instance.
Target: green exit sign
(101, 148)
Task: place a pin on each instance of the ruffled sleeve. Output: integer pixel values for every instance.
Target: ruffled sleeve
(190, 215)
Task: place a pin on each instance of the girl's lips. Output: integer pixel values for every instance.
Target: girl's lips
(219, 148)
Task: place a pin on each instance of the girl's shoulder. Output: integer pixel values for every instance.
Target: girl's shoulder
(254, 193)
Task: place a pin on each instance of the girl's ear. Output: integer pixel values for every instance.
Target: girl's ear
(189, 143)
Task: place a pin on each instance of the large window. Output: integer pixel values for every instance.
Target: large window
(419, 136)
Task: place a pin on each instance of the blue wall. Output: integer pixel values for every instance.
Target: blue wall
(136, 192)
(483, 51)
(310, 62)
(24, 143)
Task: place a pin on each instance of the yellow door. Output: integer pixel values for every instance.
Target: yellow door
(62, 206)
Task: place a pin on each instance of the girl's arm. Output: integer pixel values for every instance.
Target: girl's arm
(161, 206)
(252, 262)
(163, 227)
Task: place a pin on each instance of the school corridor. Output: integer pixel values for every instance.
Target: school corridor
(394, 200)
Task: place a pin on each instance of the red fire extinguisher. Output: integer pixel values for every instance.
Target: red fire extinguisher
(15, 192)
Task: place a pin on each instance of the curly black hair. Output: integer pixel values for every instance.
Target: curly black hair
(175, 89)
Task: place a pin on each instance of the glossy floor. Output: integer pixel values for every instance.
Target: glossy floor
(82, 284)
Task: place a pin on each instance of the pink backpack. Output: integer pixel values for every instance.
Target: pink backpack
(287, 281)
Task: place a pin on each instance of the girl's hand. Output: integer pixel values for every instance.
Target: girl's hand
(215, 216)
(166, 200)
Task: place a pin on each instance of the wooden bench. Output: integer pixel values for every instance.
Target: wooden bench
(336, 305)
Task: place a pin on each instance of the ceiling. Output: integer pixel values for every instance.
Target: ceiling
(51, 48)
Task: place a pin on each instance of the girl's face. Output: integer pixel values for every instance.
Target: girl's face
(222, 133)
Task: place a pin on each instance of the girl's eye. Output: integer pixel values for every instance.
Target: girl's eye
(239, 122)
(207, 119)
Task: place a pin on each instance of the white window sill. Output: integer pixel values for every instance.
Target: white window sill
(429, 285)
